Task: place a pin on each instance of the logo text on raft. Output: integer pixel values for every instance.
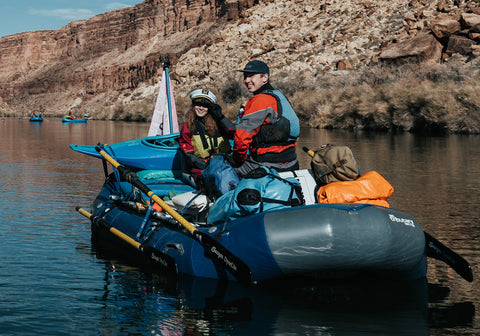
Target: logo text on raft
(405, 221)
(220, 256)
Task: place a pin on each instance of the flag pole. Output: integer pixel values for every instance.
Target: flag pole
(166, 64)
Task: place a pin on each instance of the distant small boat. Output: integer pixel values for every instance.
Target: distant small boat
(73, 120)
(36, 118)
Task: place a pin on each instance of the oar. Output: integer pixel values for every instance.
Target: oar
(309, 151)
(214, 249)
(435, 249)
(159, 259)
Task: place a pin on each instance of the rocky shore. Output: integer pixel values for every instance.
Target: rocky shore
(375, 65)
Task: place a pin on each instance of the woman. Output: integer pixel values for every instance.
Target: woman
(205, 133)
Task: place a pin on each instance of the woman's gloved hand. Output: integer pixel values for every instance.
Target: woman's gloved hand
(216, 111)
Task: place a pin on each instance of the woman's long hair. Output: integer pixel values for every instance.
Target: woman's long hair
(210, 124)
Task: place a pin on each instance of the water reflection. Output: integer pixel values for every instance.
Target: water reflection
(453, 315)
(197, 306)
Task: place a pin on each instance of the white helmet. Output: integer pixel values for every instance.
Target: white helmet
(203, 95)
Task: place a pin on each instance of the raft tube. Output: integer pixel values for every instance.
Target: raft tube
(319, 240)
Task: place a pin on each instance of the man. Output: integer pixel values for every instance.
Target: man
(267, 133)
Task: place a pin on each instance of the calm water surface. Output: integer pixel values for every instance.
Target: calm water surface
(54, 282)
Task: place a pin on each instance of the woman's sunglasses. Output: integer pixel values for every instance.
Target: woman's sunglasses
(201, 102)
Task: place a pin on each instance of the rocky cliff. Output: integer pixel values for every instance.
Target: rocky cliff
(54, 71)
(114, 57)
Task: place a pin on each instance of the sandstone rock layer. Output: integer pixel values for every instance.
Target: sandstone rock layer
(116, 56)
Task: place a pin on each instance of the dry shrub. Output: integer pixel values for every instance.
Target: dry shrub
(434, 107)
(426, 98)
(465, 118)
(415, 108)
(430, 98)
(232, 91)
(354, 107)
(135, 110)
(373, 110)
(306, 104)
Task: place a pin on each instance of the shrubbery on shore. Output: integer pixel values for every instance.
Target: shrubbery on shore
(427, 98)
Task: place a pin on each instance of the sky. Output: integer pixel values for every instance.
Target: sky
(17, 16)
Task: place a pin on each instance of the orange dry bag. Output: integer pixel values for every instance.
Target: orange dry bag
(370, 188)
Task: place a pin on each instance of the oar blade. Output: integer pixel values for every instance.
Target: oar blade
(435, 249)
(218, 252)
(161, 260)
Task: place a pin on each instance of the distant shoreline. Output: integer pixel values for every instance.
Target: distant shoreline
(434, 99)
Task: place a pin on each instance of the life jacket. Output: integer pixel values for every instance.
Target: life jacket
(287, 128)
(205, 145)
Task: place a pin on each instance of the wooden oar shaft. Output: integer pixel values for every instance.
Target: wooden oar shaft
(152, 195)
(108, 157)
(160, 259)
(214, 249)
(309, 151)
(172, 212)
(113, 230)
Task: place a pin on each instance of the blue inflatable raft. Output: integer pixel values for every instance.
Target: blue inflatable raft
(323, 241)
(304, 240)
(36, 118)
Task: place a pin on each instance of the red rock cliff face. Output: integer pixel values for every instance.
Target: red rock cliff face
(108, 65)
(53, 71)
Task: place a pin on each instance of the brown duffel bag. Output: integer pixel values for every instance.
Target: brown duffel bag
(334, 163)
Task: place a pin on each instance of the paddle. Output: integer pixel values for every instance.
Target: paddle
(214, 249)
(435, 249)
(159, 259)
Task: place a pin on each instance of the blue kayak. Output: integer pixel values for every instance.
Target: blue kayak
(73, 121)
(156, 152)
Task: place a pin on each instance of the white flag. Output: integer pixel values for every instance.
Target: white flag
(164, 120)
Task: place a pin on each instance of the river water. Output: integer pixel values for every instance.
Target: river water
(53, 281)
